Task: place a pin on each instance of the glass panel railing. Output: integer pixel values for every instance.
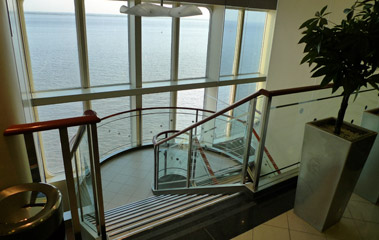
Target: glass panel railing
(211, 153)
(287, 117)
(118, 132)
(153, 122)
(115, 134)
(172, 162)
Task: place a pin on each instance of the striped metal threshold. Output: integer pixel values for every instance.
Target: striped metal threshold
(125, 221)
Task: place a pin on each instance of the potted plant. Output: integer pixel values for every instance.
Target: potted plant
(334, 152)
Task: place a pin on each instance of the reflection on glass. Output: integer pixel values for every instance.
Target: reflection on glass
(107, 37)
(188, 98)
(156, 48)
(51, 141)
(114, 133)
(193, 45)
(108, 106)
(155, 121)
(252, 40)
(51, 33)
(229, 41)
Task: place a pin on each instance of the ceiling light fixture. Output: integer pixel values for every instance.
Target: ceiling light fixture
(152, 10)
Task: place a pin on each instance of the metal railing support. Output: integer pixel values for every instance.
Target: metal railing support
(248, 137)
(93, 178)
(189, 159)
(261, 145)
(156, 166)
(95, 160)
(32, 156)
(65, 145)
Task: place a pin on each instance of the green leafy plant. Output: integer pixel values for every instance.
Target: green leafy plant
(346, 54)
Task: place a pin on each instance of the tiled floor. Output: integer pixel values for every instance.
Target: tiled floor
(360, 222)
(128, 178)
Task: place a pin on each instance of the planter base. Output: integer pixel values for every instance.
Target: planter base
(368, 183)
(329, 170)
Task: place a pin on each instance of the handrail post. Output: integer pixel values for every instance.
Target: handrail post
(248, 134)
(65, 145)
(95, 162)
(32, 156)
(139, 128)
(261, 145)
(189, 159)
(156, 166)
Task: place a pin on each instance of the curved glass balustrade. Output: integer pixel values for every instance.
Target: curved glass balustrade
(115, 131)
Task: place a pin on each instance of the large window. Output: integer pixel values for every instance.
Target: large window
(51, 146)
(107, 38)
(229, 41)
(156, 48)
(53, 50)
(193, 45)
(53, 41)
(251, 47)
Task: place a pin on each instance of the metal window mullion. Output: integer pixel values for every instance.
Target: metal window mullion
(81, 33)
(249, 132)
(65, 145)
(261, 145)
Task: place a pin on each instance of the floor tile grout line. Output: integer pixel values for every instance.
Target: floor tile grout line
(288, 225)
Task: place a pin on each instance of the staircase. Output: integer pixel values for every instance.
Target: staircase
(132, 220)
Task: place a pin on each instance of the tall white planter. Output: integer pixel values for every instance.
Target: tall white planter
(330, 167)
(368, 183)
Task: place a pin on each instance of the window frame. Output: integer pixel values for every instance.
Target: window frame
(135, 88)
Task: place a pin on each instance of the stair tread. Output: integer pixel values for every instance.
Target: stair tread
(125, 225)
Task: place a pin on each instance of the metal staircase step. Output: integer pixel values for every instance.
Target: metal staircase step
(128, 220)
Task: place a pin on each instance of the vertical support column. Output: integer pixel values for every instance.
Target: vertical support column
(213, 67)
(236, 64)
(14, 167)
(81, 34)
(239, 36)
(65, 145)
(262, 133)
(248, 136)
(135, 70)
(215, 42)
(175, 33)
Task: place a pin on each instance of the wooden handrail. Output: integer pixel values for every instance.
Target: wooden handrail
(261, 92)
(88, 118)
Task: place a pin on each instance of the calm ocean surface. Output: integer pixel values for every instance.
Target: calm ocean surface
(53, 50)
